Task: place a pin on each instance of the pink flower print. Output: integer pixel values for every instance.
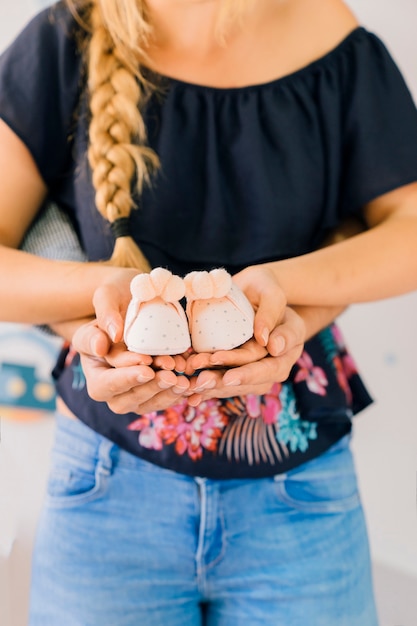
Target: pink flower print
(267, 406)
(349, 365)
(170, 425)
(201, 428)
(338, 337)
(253, 405)
(189, 441)
(345, 369)
(271, 409)
(314, 376)
(212, 430)
(149, 426)
(191, 429)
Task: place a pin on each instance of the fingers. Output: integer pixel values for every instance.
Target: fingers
(268, 316)
(291, 333)
(164, 399)
(119, 356)
(111, 300)
(166, 362)
(89, 339)
(107, 305)
(163, 391)
(247, 353)
(105, 382)
(268, 371)
(254, 378)
(268, 299)
(135, 388)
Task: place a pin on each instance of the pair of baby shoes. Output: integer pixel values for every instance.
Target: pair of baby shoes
(218, 316)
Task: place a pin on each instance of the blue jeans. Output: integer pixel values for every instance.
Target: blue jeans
(122, 542)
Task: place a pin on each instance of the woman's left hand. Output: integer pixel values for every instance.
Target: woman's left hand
(250, 368)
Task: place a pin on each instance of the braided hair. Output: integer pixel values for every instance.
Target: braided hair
(118, 34)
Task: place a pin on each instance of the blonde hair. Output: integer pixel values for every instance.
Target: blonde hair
(118, 153)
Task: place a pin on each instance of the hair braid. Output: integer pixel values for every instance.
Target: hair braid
(118, 154)
(117, 151)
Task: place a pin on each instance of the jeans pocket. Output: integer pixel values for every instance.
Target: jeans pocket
(327, 484)
(74, 482)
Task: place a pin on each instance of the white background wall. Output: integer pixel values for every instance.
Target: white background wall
(382, 336)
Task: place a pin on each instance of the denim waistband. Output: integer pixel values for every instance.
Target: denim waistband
(74, 438)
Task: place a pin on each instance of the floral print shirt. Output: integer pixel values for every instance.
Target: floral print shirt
(250, 435)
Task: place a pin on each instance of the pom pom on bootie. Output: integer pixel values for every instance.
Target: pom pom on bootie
(220, 316)
(156, 323)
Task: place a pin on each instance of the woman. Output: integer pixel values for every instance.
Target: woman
(206, 488)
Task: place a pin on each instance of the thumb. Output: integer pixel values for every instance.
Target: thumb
(269, 314)
(88, 339)
(106, 301)
(267, 298)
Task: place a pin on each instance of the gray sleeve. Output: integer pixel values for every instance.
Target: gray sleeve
(52, 236)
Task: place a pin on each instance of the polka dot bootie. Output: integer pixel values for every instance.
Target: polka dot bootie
(156, 323)
(220, 317)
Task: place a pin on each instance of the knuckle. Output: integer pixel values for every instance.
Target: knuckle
(117, 407)
(95, 391)
(112, 388)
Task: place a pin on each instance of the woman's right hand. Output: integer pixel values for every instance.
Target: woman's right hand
(125, 380)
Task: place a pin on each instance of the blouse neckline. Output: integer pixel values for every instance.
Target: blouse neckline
(323, 59)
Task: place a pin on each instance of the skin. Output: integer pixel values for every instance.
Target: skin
(378, 263)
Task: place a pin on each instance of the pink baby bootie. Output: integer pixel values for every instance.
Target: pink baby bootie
(156, 323)
(220, 316)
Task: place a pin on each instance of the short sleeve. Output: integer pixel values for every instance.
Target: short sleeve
(380, 127)
(39, 89)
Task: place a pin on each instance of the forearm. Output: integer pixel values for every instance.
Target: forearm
(67, 329)
(379, 263)
(34, 290)
(316, 318)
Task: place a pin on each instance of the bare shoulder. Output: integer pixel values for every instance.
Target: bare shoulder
(325, 23)
(298, 32)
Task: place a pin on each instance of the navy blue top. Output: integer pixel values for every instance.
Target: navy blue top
(248, 175)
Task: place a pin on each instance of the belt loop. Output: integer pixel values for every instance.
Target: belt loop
(106, 459)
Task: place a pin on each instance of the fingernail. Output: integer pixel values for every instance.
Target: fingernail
(164, 382)
(179, 390)
(279, 344)
(232, 382)
(112, 331)
(209, 384)
(143, 379)
(93, 345)
(265, 336)
(195, 400)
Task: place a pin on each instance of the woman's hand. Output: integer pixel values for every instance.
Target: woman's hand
(269, 301)
(249, 368)
(125, 380)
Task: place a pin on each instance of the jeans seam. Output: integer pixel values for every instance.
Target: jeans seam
(220, 556)
(201, 581)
